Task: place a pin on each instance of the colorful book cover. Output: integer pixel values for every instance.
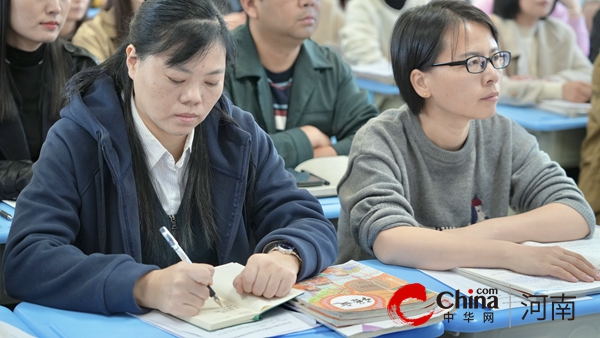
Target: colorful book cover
(353, 290)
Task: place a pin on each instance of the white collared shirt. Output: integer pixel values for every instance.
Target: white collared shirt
(168, 177)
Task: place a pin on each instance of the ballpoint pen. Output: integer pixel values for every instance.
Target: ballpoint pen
(173, 243)
(6, 215)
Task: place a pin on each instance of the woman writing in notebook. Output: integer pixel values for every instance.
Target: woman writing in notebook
(148, 140)
(446, 161)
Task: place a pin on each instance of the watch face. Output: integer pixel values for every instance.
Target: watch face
(285, 247)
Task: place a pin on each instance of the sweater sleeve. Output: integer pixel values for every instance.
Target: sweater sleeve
(536, 180)
(373, 192)
(359, 38)
(281, 211)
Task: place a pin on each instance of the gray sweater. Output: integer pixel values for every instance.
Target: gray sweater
(397, 177)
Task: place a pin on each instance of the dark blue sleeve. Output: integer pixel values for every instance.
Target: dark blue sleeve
(49, 257)
(281, 211)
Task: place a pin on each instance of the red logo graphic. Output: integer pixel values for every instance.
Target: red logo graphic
(416, 291)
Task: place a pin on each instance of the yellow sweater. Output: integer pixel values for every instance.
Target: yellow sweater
(98, 35)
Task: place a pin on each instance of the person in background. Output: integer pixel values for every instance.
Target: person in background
(301, 93)
(429, 185)
(589, 175)
(35, 69)
(77, 15)
(595, 35)
(365, 36)
(149, 140)
(567, 11)
(331, 20)
(589, 10)
(232, 12)
(547, 64)
(98, 3)
(102, 35)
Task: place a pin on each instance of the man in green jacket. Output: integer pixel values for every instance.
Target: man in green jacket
(300, 93)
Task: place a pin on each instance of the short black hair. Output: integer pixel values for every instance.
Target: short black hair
(418, 39)
(508, 9)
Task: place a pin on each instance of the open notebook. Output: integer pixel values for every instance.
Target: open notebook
(514, 282)
(237, 309)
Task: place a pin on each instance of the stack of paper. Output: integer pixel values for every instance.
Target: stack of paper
(565, 107)
(380, 72)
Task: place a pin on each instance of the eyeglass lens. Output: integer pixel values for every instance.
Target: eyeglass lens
(477, 64)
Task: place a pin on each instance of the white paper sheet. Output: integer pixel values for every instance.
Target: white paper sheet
(10, 202)
(9, 331)
(275, 322)
(458, 282)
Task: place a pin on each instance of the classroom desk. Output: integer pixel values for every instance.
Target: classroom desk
(373, 86)
(331, 206)
(9, 317)
(92, 12)
(559, 136)
(47, 322)
(535, 119)
(585, 324)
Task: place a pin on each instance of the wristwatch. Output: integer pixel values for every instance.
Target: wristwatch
(284, 247)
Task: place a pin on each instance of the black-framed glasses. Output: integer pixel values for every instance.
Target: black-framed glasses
(477, 64)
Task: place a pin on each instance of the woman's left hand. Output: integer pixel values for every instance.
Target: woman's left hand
(268, 275)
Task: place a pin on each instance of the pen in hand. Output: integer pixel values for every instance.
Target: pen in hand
(182, 255)
(6, 215)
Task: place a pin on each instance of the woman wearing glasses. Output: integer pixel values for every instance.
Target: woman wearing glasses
(547, 63)
(446, 161)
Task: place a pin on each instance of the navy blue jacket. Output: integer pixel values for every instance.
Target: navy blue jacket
(64, 252)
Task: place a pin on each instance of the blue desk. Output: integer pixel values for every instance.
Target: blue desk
(538, 120)
(9, 317)
(92, 12)
(583, 309)
(331, 207)
(47, 322)
(559, 136)
(377, 87)
(4, 223)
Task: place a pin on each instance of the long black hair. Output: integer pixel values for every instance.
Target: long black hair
(54, 59)
(123, 15)
(419, 36)
(185, 29)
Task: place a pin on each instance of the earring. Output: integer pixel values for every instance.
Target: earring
(425, 94)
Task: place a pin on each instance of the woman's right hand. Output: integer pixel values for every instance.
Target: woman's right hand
(551, 261)
(180, 289)
(577, 91)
